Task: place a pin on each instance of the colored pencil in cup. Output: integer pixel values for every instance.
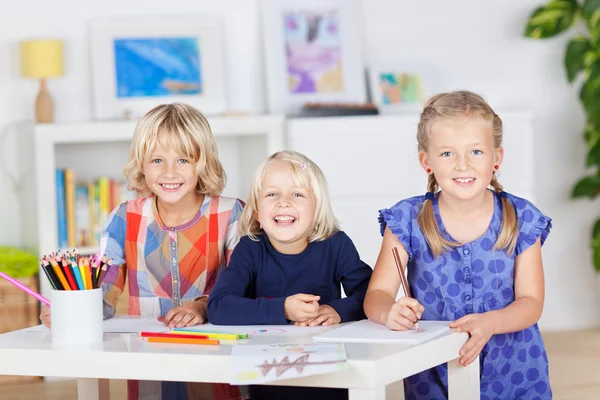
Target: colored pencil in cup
(25, 288)
(61, 275)
(66, 271)
(403, 281)
(47, 268)
(94, 272)
(76, 273)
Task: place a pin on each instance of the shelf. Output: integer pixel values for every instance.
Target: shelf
(123, 130)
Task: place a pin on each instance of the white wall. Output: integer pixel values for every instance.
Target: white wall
(471, 44)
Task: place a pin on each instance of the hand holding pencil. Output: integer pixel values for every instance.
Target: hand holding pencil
(406, 312)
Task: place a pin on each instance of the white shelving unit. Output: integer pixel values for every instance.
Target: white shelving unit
(101, 148)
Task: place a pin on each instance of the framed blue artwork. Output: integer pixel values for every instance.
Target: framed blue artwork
(138, 63)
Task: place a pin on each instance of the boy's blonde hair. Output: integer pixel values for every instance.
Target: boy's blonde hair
(306, 174)
(461, 104)
(184, 129)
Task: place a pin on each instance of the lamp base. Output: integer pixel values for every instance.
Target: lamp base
(44, 109)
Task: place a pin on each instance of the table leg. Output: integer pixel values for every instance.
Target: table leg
(463, 382)
(93, 389)
(366, 394)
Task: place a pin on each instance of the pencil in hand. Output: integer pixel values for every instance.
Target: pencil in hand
(403, 281)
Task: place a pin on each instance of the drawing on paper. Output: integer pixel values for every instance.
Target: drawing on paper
(285, 364)
(284, 361)
(270, 330)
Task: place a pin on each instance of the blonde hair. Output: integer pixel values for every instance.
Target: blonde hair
(184, 129)
(306, 174)
(460, 104)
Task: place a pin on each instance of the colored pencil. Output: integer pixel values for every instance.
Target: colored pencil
(208, 331)
(25, 288)
(67, 271)
(167, 335)
(403, 281)
(182, 341)
(222, 336)
(50, 274)
(61, 276)
(76, 274)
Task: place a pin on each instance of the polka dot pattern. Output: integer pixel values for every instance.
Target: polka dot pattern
(474, 278)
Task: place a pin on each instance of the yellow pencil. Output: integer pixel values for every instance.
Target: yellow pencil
(222, 336)
(88, 273)
(182, 340)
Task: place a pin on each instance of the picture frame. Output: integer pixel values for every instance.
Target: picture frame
(397, 88)
(141, 62)
(313, 53)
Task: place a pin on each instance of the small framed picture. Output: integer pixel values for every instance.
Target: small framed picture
(141, 62)
(313, 53)
(397, 88)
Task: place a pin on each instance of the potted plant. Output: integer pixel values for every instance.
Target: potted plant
(582, 60)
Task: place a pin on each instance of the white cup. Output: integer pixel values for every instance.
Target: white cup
(76, 317)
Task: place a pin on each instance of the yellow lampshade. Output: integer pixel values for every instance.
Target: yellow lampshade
(41, 58)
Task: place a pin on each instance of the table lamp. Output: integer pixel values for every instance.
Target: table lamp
(42, 58)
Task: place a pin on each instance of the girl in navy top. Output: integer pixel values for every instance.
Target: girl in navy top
(291, 262)
(473, 256)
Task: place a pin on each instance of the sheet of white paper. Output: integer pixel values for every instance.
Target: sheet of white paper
(366, 331)
(254, 364)
(261, 329)
(133, 324)
(121, 324)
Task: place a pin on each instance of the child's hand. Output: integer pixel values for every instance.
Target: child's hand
(479, 329)
(404, 314)
(45, 316)
(325, 316)
(189, 314)
(301, 307)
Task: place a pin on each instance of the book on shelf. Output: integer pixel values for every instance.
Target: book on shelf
(82, 208)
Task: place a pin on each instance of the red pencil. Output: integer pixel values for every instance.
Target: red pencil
(171, 335)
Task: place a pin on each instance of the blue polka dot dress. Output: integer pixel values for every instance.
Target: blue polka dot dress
(468, 279)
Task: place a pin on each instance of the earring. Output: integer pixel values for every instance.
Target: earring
(428, 170)
(496, 167)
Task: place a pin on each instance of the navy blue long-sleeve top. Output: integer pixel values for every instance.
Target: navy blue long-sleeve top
(253, 288)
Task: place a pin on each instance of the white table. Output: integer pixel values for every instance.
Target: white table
(127, 356)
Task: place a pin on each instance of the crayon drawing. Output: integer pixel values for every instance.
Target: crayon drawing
(284, 361)
(313, 52)
(401, 88)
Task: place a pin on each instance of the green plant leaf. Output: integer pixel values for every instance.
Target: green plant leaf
(593, 157)
(590, 92)
(591, 15)
(597, 259)
(591, 134)
(555, 17)
(589, 6)
(575, 55)
(595, 244)
(587, 186)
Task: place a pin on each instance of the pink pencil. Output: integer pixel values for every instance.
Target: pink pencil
(25, 288)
